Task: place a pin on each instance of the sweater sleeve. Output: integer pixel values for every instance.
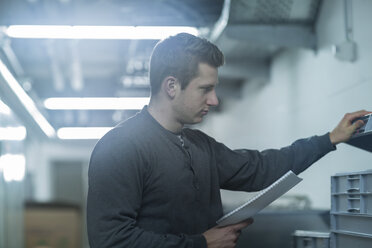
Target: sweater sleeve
(116, 181)
(251, 170)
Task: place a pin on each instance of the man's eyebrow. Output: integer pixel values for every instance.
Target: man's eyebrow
(208, 85)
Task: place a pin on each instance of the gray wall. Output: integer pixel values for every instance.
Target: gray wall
(308, 93)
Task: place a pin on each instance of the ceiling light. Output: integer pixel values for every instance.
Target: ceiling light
(13, 133)
(82, 132)
(27, 102)
(96, 32)
(13, 167)
(96, 103)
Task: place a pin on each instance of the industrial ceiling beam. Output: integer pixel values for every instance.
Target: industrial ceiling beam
(22, 105)
(245, 70)
(282, 35)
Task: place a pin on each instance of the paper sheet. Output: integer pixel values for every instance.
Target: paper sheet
(261, 200)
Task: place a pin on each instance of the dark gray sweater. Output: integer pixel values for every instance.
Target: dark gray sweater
(147, 190)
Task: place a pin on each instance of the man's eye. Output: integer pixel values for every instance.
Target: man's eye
(207, 89)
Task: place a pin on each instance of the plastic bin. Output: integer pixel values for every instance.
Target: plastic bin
(355, 182)
(350, 240)
(310, 239)
(352, 193)
(352, 203)
(352, 223)
(351, 210)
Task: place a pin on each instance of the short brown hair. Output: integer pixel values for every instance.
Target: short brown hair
(179, 56)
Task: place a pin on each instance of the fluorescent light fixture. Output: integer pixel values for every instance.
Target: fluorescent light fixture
(82, 132)
(13, 167)
(96, 103)
(27, 102)
(96, 32)
(4, 109)
(13, 133)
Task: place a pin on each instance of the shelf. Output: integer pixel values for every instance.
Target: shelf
(362, 141)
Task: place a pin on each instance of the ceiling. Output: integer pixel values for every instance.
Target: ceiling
(249, 32)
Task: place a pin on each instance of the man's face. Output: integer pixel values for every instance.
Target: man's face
(194, 102)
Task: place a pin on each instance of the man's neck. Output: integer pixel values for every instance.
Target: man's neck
(162, 113)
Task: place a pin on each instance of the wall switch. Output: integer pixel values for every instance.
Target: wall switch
(345, 51)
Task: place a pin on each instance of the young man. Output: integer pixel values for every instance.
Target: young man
(154, 183)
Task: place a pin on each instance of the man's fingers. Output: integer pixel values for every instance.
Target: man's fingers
(346, 127)
(360, 113)
(357, 124)
(242, 224)
(249, 221)
(237, 235)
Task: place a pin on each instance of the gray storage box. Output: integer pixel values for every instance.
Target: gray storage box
(310, 239)
(352, 193)
(355, 182)
(350, 240)
(351, 210)
(356, 223)
(352, 203)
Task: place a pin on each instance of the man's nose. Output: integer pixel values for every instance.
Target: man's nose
(212, 99)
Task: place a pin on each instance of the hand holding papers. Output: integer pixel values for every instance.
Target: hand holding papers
(261, 200)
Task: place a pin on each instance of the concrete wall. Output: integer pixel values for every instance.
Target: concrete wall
(40, 157)
(308, 93)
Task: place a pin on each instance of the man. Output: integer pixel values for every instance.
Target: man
(154, 183)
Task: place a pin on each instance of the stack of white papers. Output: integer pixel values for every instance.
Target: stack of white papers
(260, 200)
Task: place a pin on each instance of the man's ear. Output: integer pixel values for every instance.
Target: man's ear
(171, 86)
